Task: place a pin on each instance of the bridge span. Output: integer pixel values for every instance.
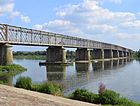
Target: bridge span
(13, 35)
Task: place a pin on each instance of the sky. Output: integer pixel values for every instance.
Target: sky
(110, 21)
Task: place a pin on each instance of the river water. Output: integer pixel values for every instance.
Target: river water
(122, 76)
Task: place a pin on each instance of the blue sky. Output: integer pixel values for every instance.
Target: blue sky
(112, 21)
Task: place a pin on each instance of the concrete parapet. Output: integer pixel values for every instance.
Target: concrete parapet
(6, 54)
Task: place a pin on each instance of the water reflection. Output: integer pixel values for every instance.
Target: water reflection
(56, 72)
(98, 65)
(82, 70)
(83, 73)
(115, 64)
(109, 65)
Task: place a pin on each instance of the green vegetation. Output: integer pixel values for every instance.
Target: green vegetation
(49, 88)
(70, 55)
(137, 54)
(46, 87)
(104, 97)
(38, 55)
(107, 97)
(7, 72)
(84, 95)
(24, 82)
(30, 55)
(11, 70)
(35, 57)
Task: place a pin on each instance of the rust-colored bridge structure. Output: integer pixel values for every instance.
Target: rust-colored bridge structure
(13, 35)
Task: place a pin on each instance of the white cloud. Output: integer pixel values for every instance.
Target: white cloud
(104, 28)
(38, 27)
(111, 1)
(25, 19)
(59, 23)
(126, 36)
(7, 7)
(116, 1)
(132, 24)
(91, 20)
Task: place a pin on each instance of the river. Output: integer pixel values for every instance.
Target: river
(122, 76)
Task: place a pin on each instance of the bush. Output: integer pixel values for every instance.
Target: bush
(46, 87)
(24, 82)
(126, 102)
(11, 70)
(84, 95)
(108, 97)
(49, 88)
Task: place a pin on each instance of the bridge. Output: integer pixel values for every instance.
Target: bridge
(13, 35)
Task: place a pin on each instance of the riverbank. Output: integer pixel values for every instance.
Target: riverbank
(35, 57)
(11, 96)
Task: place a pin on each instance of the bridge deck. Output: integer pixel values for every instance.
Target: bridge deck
(23, 36)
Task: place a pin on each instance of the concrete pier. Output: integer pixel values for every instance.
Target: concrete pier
(56, 55)
(115, 53)
(6, 54)
(121, 54)
(98, 54)
(128, 54)
(82, 54)
(108, 53)
(124, 53)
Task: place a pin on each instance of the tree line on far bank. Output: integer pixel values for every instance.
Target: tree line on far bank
(42, 54)
(137, 54)
(39, 54)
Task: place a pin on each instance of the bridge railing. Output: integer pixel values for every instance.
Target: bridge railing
(19, 35)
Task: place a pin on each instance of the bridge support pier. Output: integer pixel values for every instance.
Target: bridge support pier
(115, 53)
(56, 55)
(121, 54)
(108, 53)
(124, 54)
(6, 54)
(82, 54)
(98, 54)
(127, 53)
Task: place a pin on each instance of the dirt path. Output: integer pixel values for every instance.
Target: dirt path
(10, 96)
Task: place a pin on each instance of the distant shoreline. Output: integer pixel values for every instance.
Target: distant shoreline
(36, 57)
